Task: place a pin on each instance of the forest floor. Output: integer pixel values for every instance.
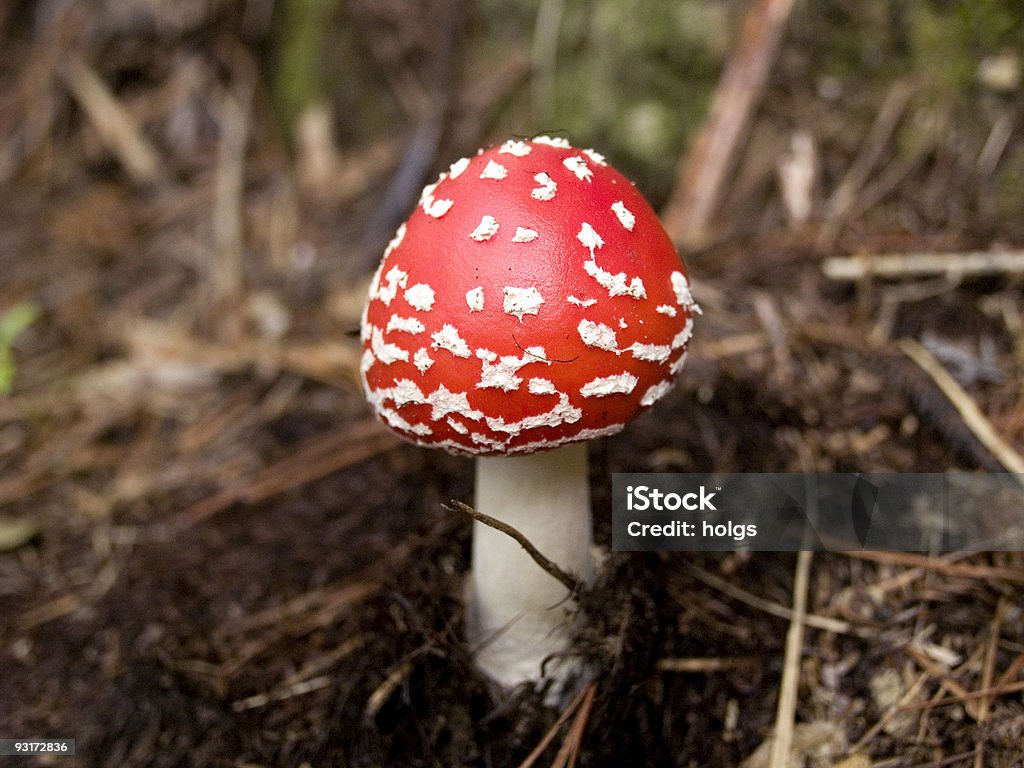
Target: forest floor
(212, 555)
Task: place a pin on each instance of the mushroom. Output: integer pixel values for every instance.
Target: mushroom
(530, 303)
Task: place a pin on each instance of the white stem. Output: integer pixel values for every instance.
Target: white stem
(518, 613)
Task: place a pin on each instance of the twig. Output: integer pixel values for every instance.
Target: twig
(998, 138)
(942, 565)
(912, 265)
(227, 276)
(845, 195)
(705, 167)
(115, 126)
(289, 692)
(988, 665)
(786, 710)
(553, 730)
(703, 665)
(984, 693)
(569, 752)
(383, 692)
(774, 326)
(975, 420)
(891, 712)
(315, 460)
(811, 620)
(571, 583)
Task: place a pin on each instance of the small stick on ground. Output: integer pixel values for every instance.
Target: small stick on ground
(914, 265)
(943, 565)
(826, 623)
(900, 706)
(572, 584)
(114, 125)
(975, 420)
(786, 710)
(227, 277)
(703, 665)
(584, 697)
(569, 752)
(713, 153)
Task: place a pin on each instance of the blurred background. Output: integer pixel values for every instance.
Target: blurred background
(209, 552)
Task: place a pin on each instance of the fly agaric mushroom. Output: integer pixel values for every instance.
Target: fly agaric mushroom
(530, 303)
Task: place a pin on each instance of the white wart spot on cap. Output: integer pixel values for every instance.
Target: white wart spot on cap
(681, 288)
(598, 335)
(422, 360)
(592, 433)
(584, 303)
(597, 157)
(500, 373)
(589, 237)
(655, 393)
(495, 171)
(404, 324)
(624, 215)
(397, 422)
(619, 384)
(438, 208)
(384, 352)
(394, 279)
(540, 387)
(367, 360)
(578, 166)
(553, 141)
(522, 301)
(683, 337)
(455, 169)
(677, 366)
(485, 441)
(547, 188)
(616, 285)
(404, 393)
(516, 148)
(421, 297)
(524, 235)
(652, 353)
(395, 241)
(444, 402)
(427, 195)
(448, 339)
(462, 429)
(666, 309)
(475, 299)
(485, 230)
(562, 413)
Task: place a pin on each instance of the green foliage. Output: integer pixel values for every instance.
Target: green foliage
(12, 323)
(948, 39)
(298, 78)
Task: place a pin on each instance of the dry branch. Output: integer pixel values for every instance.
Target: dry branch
(114, 124)
(227, 277)
(785, 712)
(571, 582)
(975, 420)
(704, 169)
(913, 265)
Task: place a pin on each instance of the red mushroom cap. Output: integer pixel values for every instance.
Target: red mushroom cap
(531, 300)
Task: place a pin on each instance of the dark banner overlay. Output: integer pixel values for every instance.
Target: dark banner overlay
(711, 512)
